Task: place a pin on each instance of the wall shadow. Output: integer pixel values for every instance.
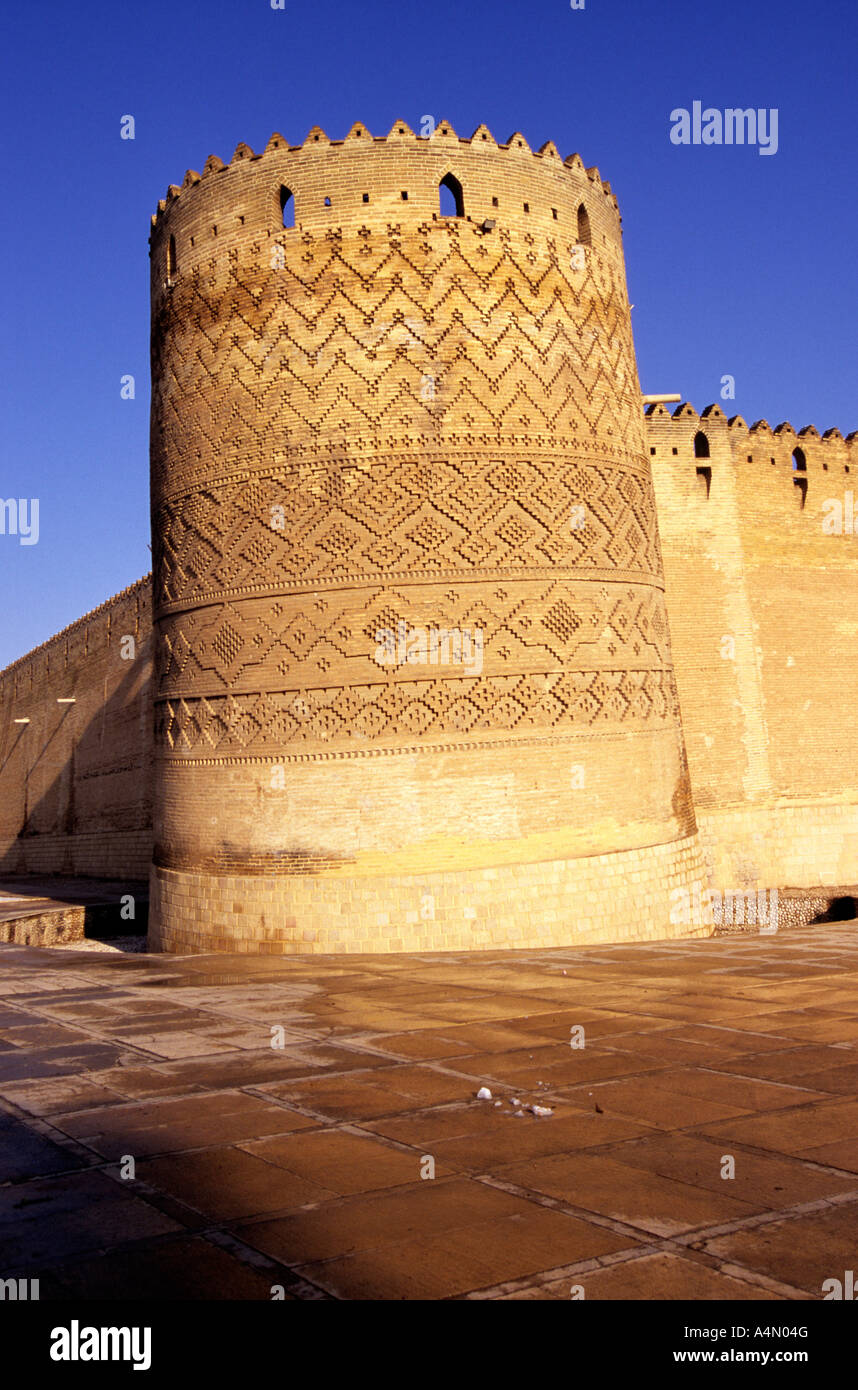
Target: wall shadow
(76, 781)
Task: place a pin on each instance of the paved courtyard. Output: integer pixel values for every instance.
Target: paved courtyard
(284, 1117)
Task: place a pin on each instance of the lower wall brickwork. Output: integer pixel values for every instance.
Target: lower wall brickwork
(801, 850)
(799, 908)
(118, 854)
(807, 845)
(622, 896)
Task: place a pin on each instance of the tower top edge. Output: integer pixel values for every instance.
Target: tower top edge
(441, 137)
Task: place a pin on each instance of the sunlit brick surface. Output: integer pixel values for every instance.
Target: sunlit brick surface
(380, 416)
(762, 597)
(607, 897)
(383, 418)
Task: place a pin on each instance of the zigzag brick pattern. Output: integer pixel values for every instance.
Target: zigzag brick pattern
(386, 420)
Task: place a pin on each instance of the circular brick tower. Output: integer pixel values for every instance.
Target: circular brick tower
(414, 686)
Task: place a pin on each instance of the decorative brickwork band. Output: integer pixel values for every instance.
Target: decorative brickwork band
(404, 532)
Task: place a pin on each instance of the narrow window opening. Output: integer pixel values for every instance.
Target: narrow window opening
(554, 213)
(701, 445)
(366, 197)
(704, 481)
(799, 462)
(171, 260)
(674, 451)
(327, 202)
(404, 196)
(652, 449)
(801, 489)
(527, 207)
(451, 196)
(583, 226)
(750, 458)
(771, 460)
(287, 207)
(494, 202)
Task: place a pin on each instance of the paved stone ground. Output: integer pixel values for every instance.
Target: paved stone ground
(301, 1165)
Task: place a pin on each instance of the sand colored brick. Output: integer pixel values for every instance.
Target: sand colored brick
(384, 420)
(761, 566)
(76, 781)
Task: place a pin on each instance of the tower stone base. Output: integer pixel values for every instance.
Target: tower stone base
(623, 896)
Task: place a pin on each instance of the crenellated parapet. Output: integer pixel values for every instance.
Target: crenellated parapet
(442, 141)
(380, 183)
(681, 435)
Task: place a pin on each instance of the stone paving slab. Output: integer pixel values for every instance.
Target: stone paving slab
(647, 1201)
(802, 1251)
(213, 1126)
(650, 1276)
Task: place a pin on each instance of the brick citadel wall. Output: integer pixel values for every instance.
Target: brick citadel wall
(378, 419)
(76, 780)
(761, 564)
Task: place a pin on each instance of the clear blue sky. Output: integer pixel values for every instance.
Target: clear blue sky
(738, 262)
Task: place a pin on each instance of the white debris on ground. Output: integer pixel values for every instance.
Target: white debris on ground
(533, 1109)
(539, 1110)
